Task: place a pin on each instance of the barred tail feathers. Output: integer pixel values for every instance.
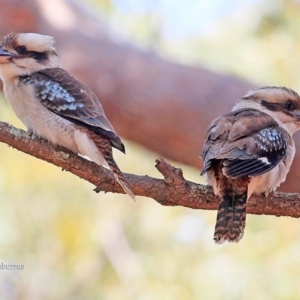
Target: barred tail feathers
(124, 185)
(104, 146)
(231, 218)
(107, 154)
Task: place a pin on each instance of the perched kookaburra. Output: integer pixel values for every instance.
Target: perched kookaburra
(53, 104)
(249, 150)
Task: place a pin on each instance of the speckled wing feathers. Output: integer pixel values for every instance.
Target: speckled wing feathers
(66, 96)
(249, 142)
(268, 146)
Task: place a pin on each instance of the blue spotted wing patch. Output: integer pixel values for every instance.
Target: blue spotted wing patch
(66, 96)
(53, 95)
(269, 147)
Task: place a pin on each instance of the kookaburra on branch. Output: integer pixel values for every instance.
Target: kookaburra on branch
(53, 104)
(249, 150)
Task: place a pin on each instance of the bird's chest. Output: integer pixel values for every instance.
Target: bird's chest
(24, 104)
(37, 118)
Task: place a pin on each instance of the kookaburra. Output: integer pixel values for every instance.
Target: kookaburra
(249, 150)
(53, 104)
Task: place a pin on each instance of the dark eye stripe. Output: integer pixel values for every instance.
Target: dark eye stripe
(39, 56)
(273, 106)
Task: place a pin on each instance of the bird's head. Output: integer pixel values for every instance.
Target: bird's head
(281, 103)
(26, 53)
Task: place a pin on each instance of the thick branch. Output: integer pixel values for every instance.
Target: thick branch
(172, 190)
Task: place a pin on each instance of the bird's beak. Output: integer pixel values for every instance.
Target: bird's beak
(5, 56)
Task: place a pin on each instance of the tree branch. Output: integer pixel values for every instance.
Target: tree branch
(170, 191)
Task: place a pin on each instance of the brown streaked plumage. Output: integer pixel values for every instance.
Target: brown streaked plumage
(53, 104)
(249, 150)
(89, 111)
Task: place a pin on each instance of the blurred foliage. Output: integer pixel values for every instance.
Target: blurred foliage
(258, 41)
(76, 244)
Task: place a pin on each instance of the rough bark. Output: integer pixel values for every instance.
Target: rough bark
(170, 191)
(159, 104)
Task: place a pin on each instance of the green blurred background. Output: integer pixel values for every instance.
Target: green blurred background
(76, 244)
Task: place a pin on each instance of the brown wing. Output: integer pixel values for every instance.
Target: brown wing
(248, 142)
(66, 96)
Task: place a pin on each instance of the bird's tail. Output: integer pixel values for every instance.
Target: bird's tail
(231, 218)
(104, 145)
(107, 154)
(120, 177)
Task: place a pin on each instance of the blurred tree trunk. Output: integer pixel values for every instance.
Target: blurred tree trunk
(161, 105)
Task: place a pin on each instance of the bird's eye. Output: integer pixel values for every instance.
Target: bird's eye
(288, 105)
(22, 50)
